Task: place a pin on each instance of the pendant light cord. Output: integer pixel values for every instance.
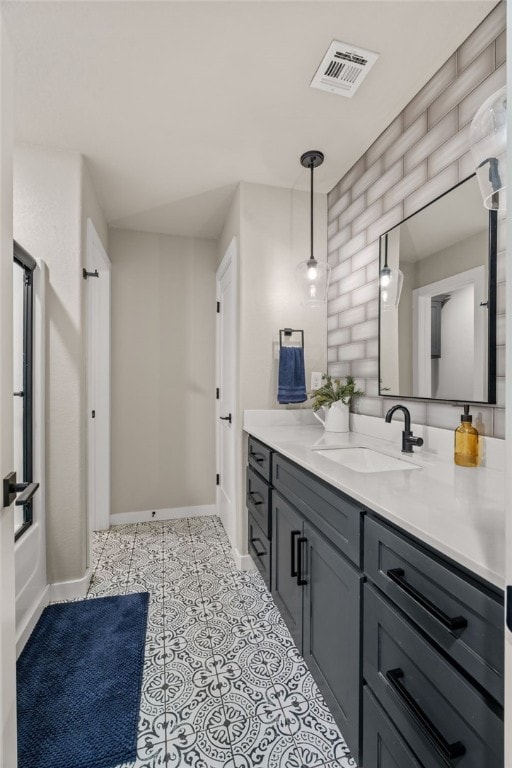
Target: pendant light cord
(312, 258)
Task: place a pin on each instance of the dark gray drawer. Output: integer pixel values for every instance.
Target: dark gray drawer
(337, 516)
(258, 501)
(259, 549)
(434, 707)
(383, 747)
(260, 457)
(433, 594)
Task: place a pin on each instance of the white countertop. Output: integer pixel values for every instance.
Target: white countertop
(458, 511)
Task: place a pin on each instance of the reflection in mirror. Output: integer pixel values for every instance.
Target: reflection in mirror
(438, 341)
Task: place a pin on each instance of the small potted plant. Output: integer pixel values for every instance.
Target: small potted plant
(334, 398)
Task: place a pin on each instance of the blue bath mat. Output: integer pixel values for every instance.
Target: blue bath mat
(79, 680)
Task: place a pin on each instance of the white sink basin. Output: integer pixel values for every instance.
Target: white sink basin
(365, 460)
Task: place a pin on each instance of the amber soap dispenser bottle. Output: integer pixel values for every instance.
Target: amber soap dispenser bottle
(466, 441)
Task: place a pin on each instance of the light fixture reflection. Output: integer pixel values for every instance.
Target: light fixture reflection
(391, 282)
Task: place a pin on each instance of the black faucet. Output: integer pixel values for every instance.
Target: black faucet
(408, 439)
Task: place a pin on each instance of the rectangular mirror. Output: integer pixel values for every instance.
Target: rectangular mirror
(437, 301)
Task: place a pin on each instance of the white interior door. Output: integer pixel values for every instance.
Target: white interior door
(226, 384)
(98, 383)
(7, 603)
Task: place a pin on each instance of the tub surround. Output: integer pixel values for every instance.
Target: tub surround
(458, 511)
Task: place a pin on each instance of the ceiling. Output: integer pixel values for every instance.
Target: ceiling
(173, 103)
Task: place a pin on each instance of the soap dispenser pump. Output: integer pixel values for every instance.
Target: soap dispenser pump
(466, 441)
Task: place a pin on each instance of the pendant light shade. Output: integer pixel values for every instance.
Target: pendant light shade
(312, 276)
(488, 140)
(391, 282)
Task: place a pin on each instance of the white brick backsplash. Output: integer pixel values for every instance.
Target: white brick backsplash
(469, 107)
(385, 140)
(368, 406)
(483, 36)
(338, 369)
(435, 86)
(372, 309)
(351, 317)
(368, 177)
(365, 368)
(501, 49)
(417, 410)
(404, 188)
(432, 189)
(386, 181)
(366, 293)
(351, 352)
(352, 212)
(332, 323)
(390, 218)
(499, 423)
(339, 206)
(353, 246)
(422, 154)
(500, 391)
(341, 271)
(341, 336)
(333, 291)
(501, 334)
(407, 140)
(501, 299)
(432, 140)
(339, 304)
(367, 330)
(353, 281)
(501, 267)
(339, 239)
(450, 151)
(462, 85)
(366, 256)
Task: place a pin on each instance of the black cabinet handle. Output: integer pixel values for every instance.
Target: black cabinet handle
(447, 751)
(27, 493)
(259, 457)
(300, 581)
(259, 554)
(226, 418)
(293, 535)
(457, 622)
(252, 494)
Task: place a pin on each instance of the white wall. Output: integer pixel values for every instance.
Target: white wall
(457, 345)
(52, 198)
(163, 371)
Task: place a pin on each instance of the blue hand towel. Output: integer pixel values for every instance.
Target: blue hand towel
(292, 378)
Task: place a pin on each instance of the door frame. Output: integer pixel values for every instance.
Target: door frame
(229, 260)
(98, 335)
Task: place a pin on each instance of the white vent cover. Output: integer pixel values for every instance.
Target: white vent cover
(343, 69)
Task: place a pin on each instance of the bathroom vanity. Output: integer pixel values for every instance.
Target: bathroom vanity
(390, 580)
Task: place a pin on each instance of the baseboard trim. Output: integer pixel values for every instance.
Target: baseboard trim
(173, 513)
(70, 590)
(243, 562)
(23, 633)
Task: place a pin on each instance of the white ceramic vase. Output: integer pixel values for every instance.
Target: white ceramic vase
(336, 417)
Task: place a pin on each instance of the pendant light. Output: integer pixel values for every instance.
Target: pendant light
(312, 276)
(488, 140)
(391, 281)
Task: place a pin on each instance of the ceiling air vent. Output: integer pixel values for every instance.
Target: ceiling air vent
(343, 69)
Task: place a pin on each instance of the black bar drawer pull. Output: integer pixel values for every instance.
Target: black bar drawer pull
(259, 457)
(252, 495)
(293, 535)
(447, 751)
(300, 581)
(457, 622)
(259, 554)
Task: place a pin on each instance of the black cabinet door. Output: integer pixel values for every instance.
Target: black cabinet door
(332, 631)
(287, 530)
(383, 746)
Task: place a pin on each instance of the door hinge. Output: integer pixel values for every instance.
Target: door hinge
(218, 307)
(217, 480)
(217, 394)
(87, 274)
(93, 414)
